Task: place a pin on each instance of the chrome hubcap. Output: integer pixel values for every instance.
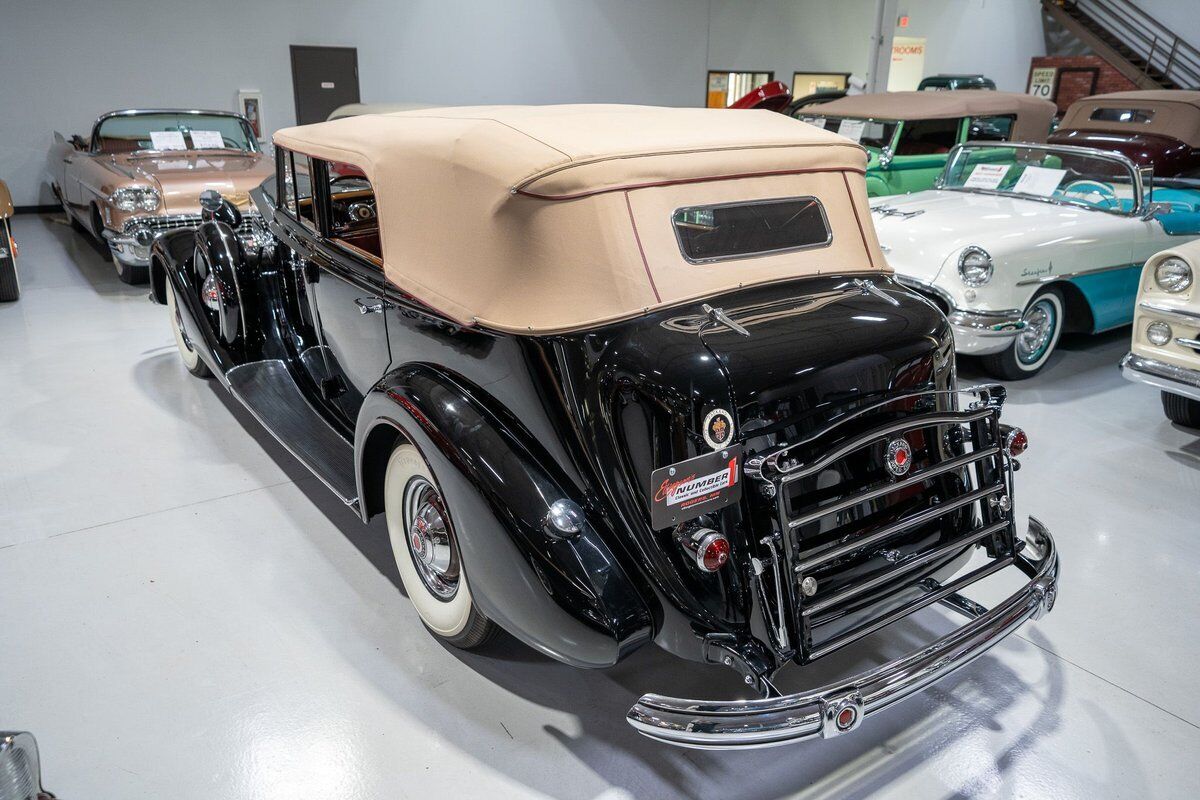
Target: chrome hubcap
(430, 541)
(1034, 338)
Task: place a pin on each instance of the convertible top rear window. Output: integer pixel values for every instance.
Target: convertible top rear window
(756, 228)
(1142, 115)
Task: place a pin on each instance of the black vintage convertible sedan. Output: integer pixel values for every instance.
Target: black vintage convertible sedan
(617, 375)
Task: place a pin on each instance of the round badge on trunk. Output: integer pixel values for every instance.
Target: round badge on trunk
(718, 428)
(899, 456)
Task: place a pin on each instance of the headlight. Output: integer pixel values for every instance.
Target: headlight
(1159, 333)
(975, 266)
(134, 198)
(1173, 275)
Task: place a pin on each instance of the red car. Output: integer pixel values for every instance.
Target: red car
(1158, 128)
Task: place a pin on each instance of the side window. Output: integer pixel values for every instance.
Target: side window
(991, 129)
(353, 221)
(305, 209)
(925, 137)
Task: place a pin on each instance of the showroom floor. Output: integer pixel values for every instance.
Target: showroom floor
(186, 613)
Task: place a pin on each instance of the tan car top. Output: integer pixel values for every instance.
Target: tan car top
(1033, 113)
(553, 218)
(1176, 113)
(6, 206)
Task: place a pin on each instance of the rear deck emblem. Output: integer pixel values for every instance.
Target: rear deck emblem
(718, 428)
(899, 456)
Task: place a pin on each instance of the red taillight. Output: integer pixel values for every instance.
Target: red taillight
(715, 554)
(1016, 442)
(710, 549)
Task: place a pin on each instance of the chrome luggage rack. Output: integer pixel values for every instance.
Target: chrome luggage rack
(990, 491)
(986, 471)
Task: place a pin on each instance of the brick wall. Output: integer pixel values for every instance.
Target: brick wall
(1076, 75)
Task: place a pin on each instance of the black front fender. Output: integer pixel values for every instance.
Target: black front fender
(568, 597)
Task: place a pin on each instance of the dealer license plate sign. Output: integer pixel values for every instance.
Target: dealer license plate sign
(697, 486)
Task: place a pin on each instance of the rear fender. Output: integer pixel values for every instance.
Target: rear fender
(566, 596)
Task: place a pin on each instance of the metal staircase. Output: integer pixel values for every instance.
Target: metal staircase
(1140, 47)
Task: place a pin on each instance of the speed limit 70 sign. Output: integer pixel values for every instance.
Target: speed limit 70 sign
(1041, 82)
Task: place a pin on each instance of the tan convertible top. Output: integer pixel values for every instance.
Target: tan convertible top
(1033, 114)
(1176, 113)
(553, 218)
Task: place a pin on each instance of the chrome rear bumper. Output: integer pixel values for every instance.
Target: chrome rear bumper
(840, 708)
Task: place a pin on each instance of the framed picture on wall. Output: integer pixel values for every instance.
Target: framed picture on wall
(806, 83)
(250, 107)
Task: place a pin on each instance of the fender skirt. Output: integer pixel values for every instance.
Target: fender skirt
(564, 595)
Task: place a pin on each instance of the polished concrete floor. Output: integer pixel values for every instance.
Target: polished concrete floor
(186, 613)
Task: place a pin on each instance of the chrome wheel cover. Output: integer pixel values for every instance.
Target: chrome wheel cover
(430, 539)
(1041, 321)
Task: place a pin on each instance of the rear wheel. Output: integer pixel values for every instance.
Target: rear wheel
(1034, 344)
(191, 359)
(1181, 410)
(426, 550)
(10, 287)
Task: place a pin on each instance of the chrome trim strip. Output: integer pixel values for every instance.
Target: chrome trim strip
(906, 566)
(768, 722)
(917, 477)
(1183, 313)
(1187, 342)
(1162, 376)
(911, 521)
(1076, 274)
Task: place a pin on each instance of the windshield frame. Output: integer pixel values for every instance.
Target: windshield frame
(891, 145)
(1138, 209)
(137, 112)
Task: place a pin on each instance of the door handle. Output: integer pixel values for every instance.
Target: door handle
(371, 305)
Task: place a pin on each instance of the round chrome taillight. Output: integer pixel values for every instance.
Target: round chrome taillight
(710, 549)
(1016, 443)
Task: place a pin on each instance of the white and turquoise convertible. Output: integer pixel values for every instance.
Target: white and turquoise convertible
(1019, 243)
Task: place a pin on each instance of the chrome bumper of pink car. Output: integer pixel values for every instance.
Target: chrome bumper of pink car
(841, 707)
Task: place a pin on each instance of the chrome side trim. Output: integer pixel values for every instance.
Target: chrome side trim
(1182, 313)
(768, 722)
(1068, 275)
(1161, 375)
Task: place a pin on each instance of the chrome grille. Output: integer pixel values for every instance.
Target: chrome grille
(252, 224)
(959, 499)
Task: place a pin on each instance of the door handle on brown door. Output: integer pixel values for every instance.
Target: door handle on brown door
(371, 305)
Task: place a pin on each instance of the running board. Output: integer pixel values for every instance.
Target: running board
(271, 394)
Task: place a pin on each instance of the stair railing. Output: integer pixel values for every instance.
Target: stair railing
(1165, 53)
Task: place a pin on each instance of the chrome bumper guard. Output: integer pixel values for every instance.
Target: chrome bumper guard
(1161, 375)
(840, 708)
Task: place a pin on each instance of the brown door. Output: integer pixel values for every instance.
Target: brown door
(323, 78)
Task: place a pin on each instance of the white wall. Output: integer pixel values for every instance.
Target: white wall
(792, 35)
(67, 61)
(995, 37)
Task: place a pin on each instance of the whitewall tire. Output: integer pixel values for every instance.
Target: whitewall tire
(1035, 343)
(425, 547)
(191, 358)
